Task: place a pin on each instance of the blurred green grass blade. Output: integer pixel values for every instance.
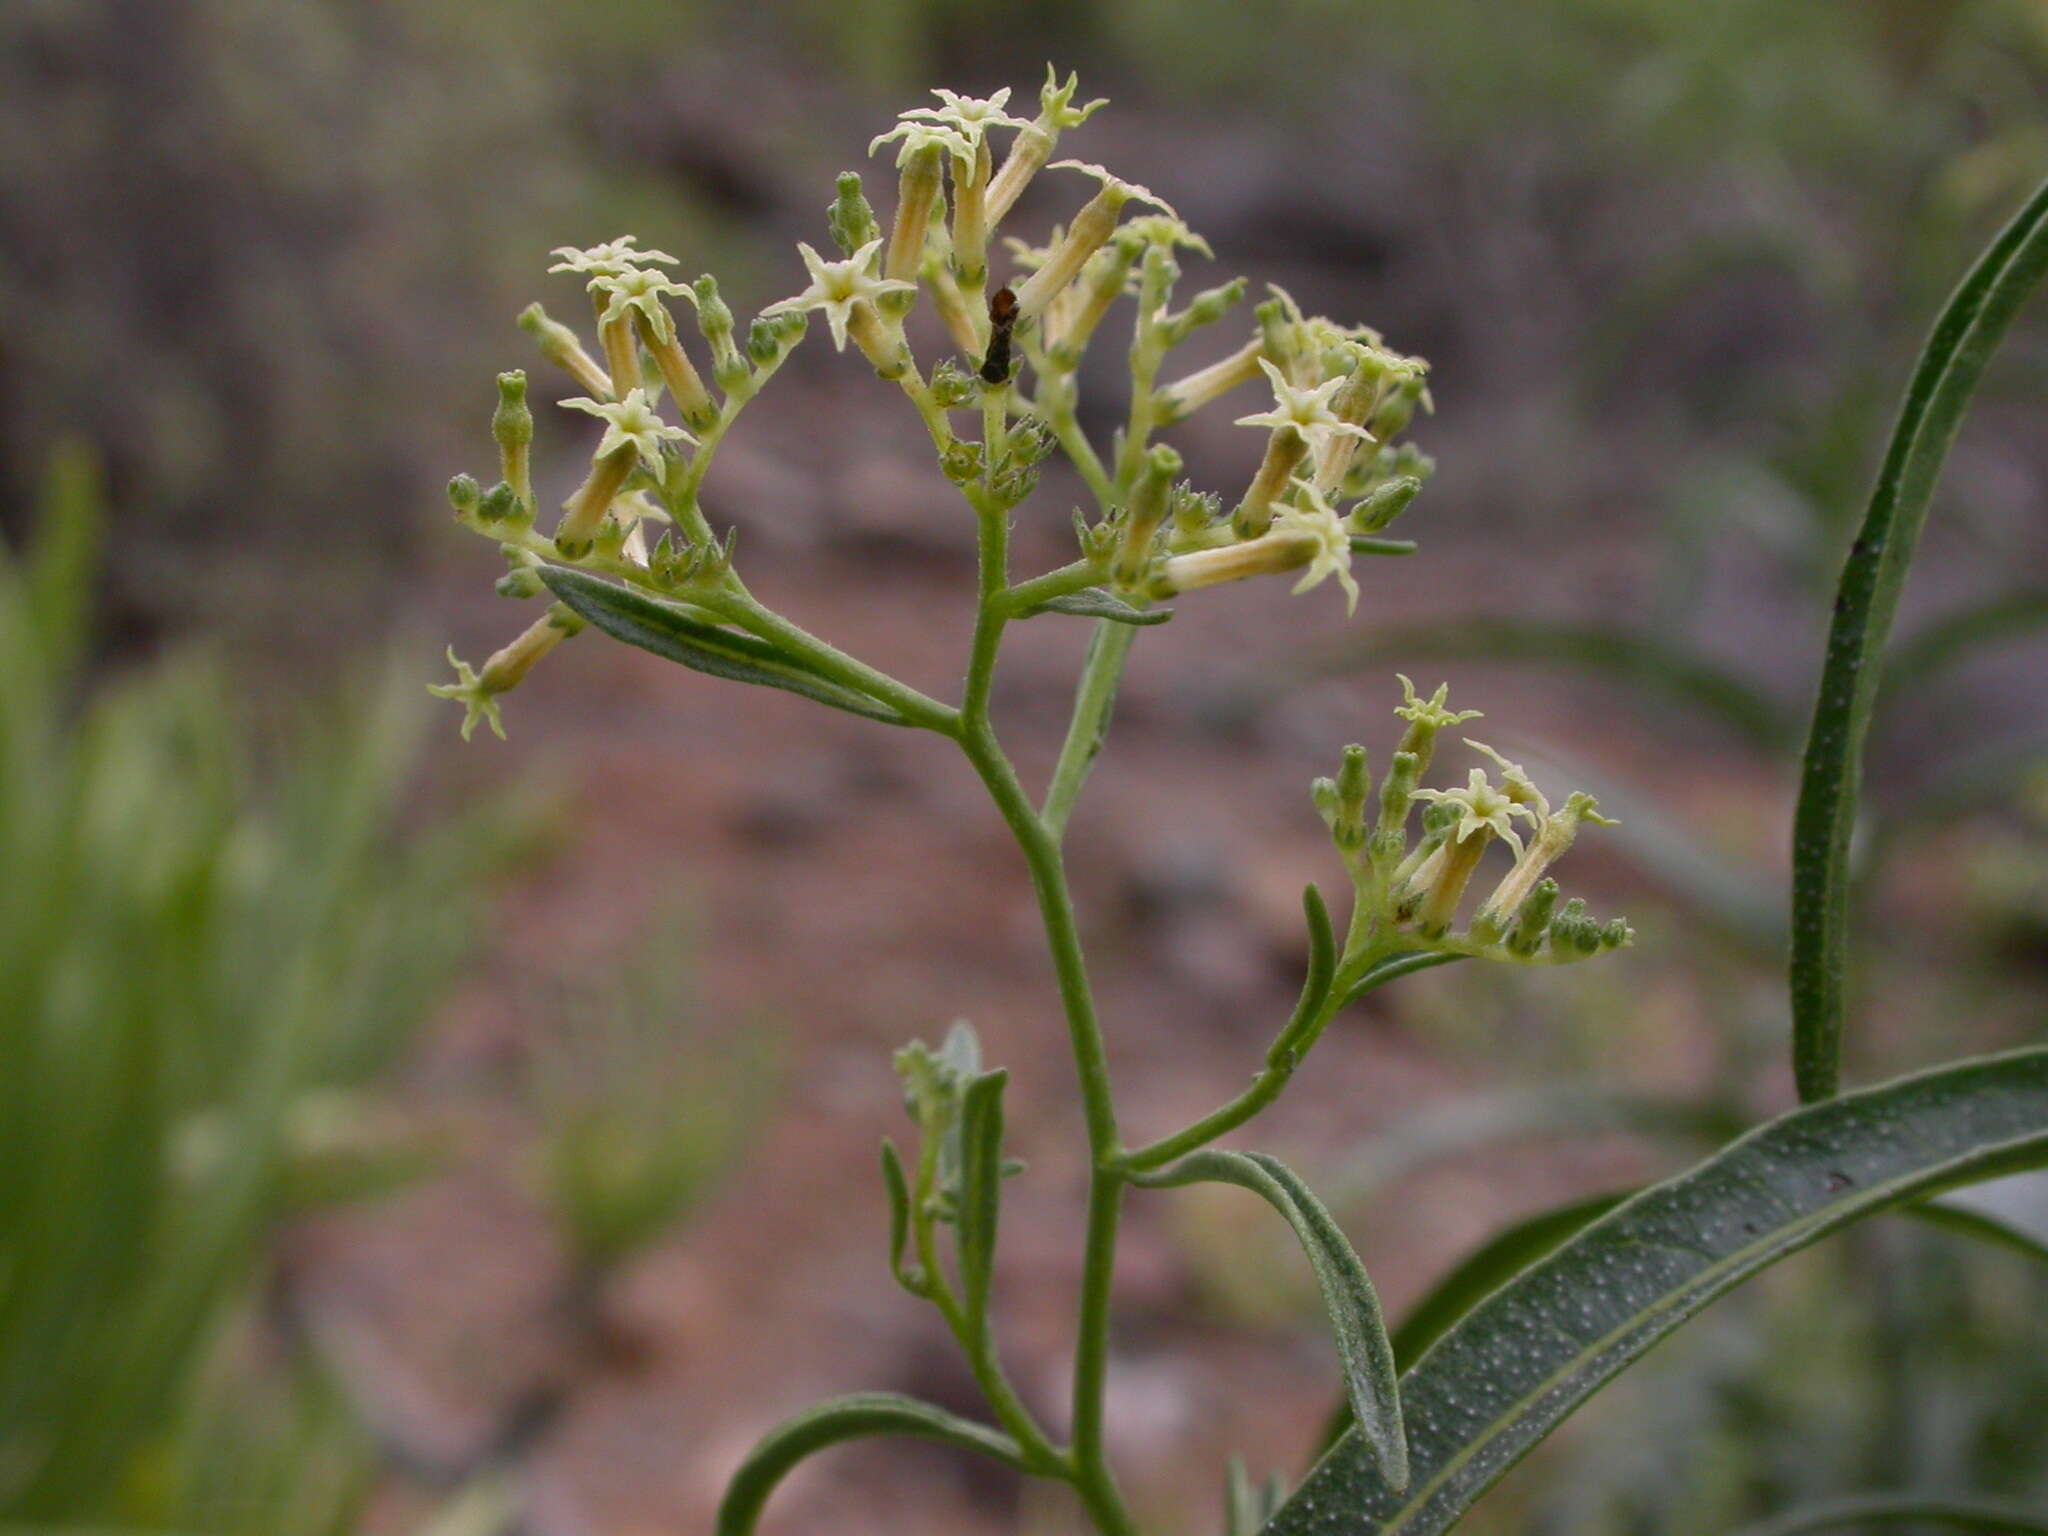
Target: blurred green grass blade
(1643, 661)
(1961, 1512)
(1363, 1350)
(64, 562)
(1962, 342)
(861, 1416)
(674, 635)
(1517, 1365)
(1958, 636)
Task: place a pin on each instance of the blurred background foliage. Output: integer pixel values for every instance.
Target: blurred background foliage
(258, 259)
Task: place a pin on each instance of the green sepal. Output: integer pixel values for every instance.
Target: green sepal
(1370, 544)
(675, 634)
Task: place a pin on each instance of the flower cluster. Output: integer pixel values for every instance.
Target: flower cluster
(1331, 476)
(1412, 894)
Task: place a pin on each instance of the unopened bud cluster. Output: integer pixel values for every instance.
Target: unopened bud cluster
(1018, 316)
(1414, 882)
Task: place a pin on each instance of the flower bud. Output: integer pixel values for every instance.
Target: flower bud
(714, 320)
(584, 511)
(1397, 793)
(558, 344)
(1533, 920)
(499, 504)
(1285, 449)
(1101, 283)
(1182, 398)
(522, 583)
(1354, 787)
(851, 218)
(463, 495)
(1386, 503)
(1146, 513)
(1206, 308)
(1323, 793)
(917, 193)
(512, 426)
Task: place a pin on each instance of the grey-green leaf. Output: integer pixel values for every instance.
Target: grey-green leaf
(981, 1179)
(1095, 603)
(676, 634)
(861, 1416)
(1950, 365)
(1515, 1366)
(1362, 1348)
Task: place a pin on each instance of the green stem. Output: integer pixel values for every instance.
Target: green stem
(1026, 595)
(1289, 1049)
(1093, 700)
(1087, 1465)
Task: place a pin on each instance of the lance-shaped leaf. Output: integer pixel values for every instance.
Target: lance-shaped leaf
(981, 1180)
(1095, 603)
(861, 1416)
(1515, 1366)
(897, 1187)
(676, 634)
(1362, 1348)
(1951, 363)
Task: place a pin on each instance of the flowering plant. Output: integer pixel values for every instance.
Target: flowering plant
(1334, 474)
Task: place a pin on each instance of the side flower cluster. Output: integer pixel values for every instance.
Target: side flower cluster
(1414, 891)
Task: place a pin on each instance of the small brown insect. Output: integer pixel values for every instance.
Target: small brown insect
(1002, 317)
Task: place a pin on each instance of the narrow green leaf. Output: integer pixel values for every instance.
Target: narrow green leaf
(898, 1188)
(1510, 1370)
(1362, 1348)
(676, 634)
(1367, 544)
(861, 1416)
(1096, 603)
(1950, 365)
(1960, 1511)
(1393, 968)
(981, 1179)
(1322, 954)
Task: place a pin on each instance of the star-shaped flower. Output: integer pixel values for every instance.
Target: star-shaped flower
(1056, 101)
(1431, 712)
(1481, 808)
(641, 289)
(1520, 787)
(630, 421)
(1307, 410)
(970, 116)
(836, 286)
(607, 259)
(1319, 521)
(917, 136)
(478, 702)
(1130, 190)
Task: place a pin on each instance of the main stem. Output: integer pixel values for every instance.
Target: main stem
(1088, 1464)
